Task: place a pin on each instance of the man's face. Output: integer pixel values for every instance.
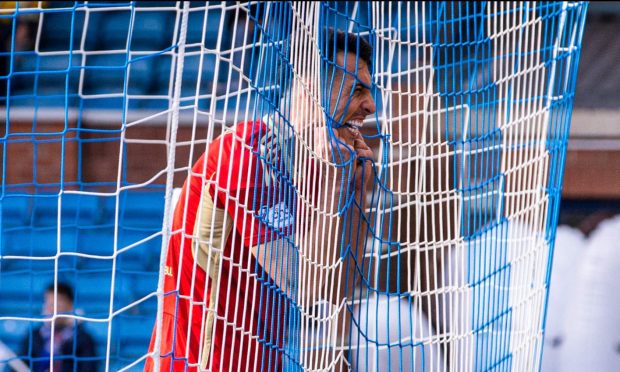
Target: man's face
(64, 305)
(352, 99)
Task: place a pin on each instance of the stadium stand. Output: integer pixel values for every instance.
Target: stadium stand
(136, 268)
(149, 70)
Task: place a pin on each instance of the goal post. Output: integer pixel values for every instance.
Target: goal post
(268, 186)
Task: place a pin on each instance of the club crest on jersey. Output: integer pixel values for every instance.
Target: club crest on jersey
(277, 216)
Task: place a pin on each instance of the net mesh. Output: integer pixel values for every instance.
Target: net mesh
(393, 210)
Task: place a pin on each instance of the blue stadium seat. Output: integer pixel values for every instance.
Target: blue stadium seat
(24, 72)
(338, 16)
(55, 100)
(105, 74)
(196, 26)
(28, 243)
(130, 351)
(107, 205)
(148, 306)
(156, 4)
(45, 211)
(68, 239)
(131, 332)
(134, 327)
(44, 242)
(230, 105)
(36, 234)
(20, 307)
(99, 333)
(44, 78)
(145, 283)
(12, 332)
(160, 83)
(162, 77)
(22, 292)
(155, 104)
(16, 241)
(115, 27)
(146, 235)
(92, 291)
(134, 334)
(109, 3)
(109, 30)
(15, 210)
(142, 209)
(229, 77)
(54, 71)
(140, 257)
(96, 240)
(140, 217)
(84, 263)
(140, 75)
(80, 209)
(60, 29)
(152, 30)
(98, 330)
(99, 103)
(191, 70)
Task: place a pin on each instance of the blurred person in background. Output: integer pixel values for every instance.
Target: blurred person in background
(72, 343)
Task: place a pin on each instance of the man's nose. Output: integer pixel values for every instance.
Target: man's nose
(369, 105)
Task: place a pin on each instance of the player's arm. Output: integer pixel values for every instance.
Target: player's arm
(274, 258)
(357, 229)
(331, 201)
(336, 188)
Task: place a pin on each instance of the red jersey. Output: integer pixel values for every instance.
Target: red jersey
(221, 311)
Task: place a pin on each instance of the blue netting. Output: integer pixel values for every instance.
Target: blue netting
(60, 220)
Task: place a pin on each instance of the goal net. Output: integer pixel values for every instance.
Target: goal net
(273, 186)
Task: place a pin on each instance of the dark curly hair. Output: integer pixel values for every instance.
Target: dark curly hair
(63, 290)
(339, 41)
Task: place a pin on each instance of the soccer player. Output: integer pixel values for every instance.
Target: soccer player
(232, 270)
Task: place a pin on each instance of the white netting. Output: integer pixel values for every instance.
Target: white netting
(300, 240)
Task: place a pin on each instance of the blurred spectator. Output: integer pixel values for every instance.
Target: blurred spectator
(72, 343)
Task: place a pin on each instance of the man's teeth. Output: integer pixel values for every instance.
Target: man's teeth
(357, 123)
